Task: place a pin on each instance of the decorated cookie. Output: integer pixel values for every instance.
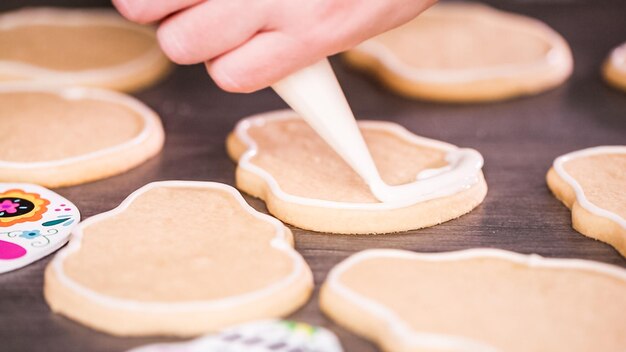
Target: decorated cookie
(303, 182)
(259, 336)
(177, 258)
(34, 222)
(479, 300)
(614, 68)
(65, 136)
(92, 47)
(592, 183)
(460, 52)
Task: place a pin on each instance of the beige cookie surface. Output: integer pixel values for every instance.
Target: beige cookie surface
(305, 183)
(460, 52)
(87, 47)
(478, 300)
(614, 68)
(66, 136)
(177, 258)
(591, 182)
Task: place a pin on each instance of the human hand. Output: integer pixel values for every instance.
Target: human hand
(249, 44)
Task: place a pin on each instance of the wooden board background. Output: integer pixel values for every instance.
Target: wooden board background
(518, 138)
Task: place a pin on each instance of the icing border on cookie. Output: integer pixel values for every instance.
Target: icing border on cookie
(75, 18)
(443, 341)
(559, 167)
(279, 242)
(150, 120)
(245, 162)
(558, 54)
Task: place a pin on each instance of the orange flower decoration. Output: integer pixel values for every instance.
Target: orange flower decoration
(18, 206)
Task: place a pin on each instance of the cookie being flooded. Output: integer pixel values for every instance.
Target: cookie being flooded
(177, 258)
(480, 300)
(460, 52)
(66, 136)
(592, 183)
(614, 68)
(87, 47)
(303, 182)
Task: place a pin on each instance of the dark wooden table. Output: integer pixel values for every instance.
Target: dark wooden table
(518, 138)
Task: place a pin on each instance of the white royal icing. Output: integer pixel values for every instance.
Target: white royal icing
(557, 56)
(149, 118)
(258, 336)
(280, 242)
(464, 174)
(75, 18)
(559, 167)
(36, 232)
(418, 339)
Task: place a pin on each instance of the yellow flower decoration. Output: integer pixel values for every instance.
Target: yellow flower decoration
(17, 206)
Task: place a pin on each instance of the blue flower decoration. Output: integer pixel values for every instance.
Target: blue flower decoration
(30, 234)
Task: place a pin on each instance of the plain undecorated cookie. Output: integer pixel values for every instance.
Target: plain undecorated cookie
(592, 183)
(66, 136)
(305, 183)
(480, 300)
(614, 68)
(177, 258)
(87, 47)
(460, 52)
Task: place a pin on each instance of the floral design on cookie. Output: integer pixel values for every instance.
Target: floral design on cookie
(303, 182)
(591, 182)
(30, 226)
(258, 336)
(483, 300)
(177, 258)
(466, 52)
(18, 206)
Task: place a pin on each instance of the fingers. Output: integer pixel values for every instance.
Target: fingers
(209, 29)
(263, 60)
(146, 11)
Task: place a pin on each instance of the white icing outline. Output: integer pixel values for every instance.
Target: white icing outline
(417, 339)
(559, 167)
(279, 242)
(150, 120)
(618, 58)
(52, 197)
(558, 55)
(74, 17)
(245, 162)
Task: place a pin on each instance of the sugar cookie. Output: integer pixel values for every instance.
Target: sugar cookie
(258, 336)
(460, 52)
(614, 68)
(304, 183)
(88, 47)
(478, 300)
(177, 258)
(592, 183)
(34, 222)
(60, 137)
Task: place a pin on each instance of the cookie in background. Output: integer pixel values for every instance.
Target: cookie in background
(591, 183)
(66, 136)
(86, 47)
(614, 68)
(466, 52)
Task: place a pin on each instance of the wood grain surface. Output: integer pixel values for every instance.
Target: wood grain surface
(518, 138)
